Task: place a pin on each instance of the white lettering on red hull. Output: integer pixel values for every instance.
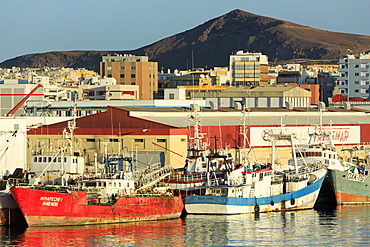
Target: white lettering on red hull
(51, 201)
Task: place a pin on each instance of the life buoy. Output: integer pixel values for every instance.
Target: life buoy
(266, 135)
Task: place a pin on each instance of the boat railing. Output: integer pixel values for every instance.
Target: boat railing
(180, 177)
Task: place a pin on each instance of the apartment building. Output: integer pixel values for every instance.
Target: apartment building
(354, 76)
(248, 69)
(132, 70)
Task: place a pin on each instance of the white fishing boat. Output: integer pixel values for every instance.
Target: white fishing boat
(263, 190)
(203, 165)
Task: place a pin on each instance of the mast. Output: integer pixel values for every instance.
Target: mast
(69, 136)
(244, 133)
(194, 116)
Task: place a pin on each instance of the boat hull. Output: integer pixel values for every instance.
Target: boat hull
(10, 214)
(47, 208)
(302, 199)
(350, 188)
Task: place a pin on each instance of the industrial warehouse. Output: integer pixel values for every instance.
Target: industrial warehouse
(161, 134)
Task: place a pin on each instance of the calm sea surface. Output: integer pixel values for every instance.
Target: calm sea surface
(336, 226)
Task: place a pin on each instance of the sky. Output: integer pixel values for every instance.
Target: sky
(37, 26)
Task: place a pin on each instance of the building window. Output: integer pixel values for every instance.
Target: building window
(122, 67)
(171, 96)
(161, 140)
(139, 140)
(357, 82)
(133, 67)
(133, 83)
(133, 75)
(356, 90)
(90, 140)
(113, 140)
(356, 66)
(109, 68)
(357, 74)
(183, 139)
(122, 75)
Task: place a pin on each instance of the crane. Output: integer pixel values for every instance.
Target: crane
(15, 108)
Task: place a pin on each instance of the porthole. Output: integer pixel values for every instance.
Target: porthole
(292, 201)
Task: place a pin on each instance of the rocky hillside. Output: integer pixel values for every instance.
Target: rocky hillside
(211, 43)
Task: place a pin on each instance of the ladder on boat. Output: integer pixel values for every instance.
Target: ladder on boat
(150, 178)
(252, 193)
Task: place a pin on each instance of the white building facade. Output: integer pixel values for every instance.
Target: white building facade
(354, 76)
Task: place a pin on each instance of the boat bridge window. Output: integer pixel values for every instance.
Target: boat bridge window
(261, 176)
(204, 165)
(309, 154)
(90, 184)
(44, 159)
(35, 159)
(49, 159)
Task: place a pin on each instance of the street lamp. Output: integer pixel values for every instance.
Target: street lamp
(137, 131)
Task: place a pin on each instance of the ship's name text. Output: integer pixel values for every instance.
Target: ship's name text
(51, 201)
(356, 177)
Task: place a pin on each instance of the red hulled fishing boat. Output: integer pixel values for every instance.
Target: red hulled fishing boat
(117, 196)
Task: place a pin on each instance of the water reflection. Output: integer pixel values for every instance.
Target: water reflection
(322, 226)
(154, 233)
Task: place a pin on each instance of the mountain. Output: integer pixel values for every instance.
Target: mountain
(210, 44)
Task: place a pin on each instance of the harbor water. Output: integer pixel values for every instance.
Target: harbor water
(322, 226)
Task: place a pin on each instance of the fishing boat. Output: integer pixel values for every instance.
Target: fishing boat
(320, 150)
(11, 159)
(10, 213)
(262, 189)
(114, 197)
(351, 185)
(202, 165)
(346, 182)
